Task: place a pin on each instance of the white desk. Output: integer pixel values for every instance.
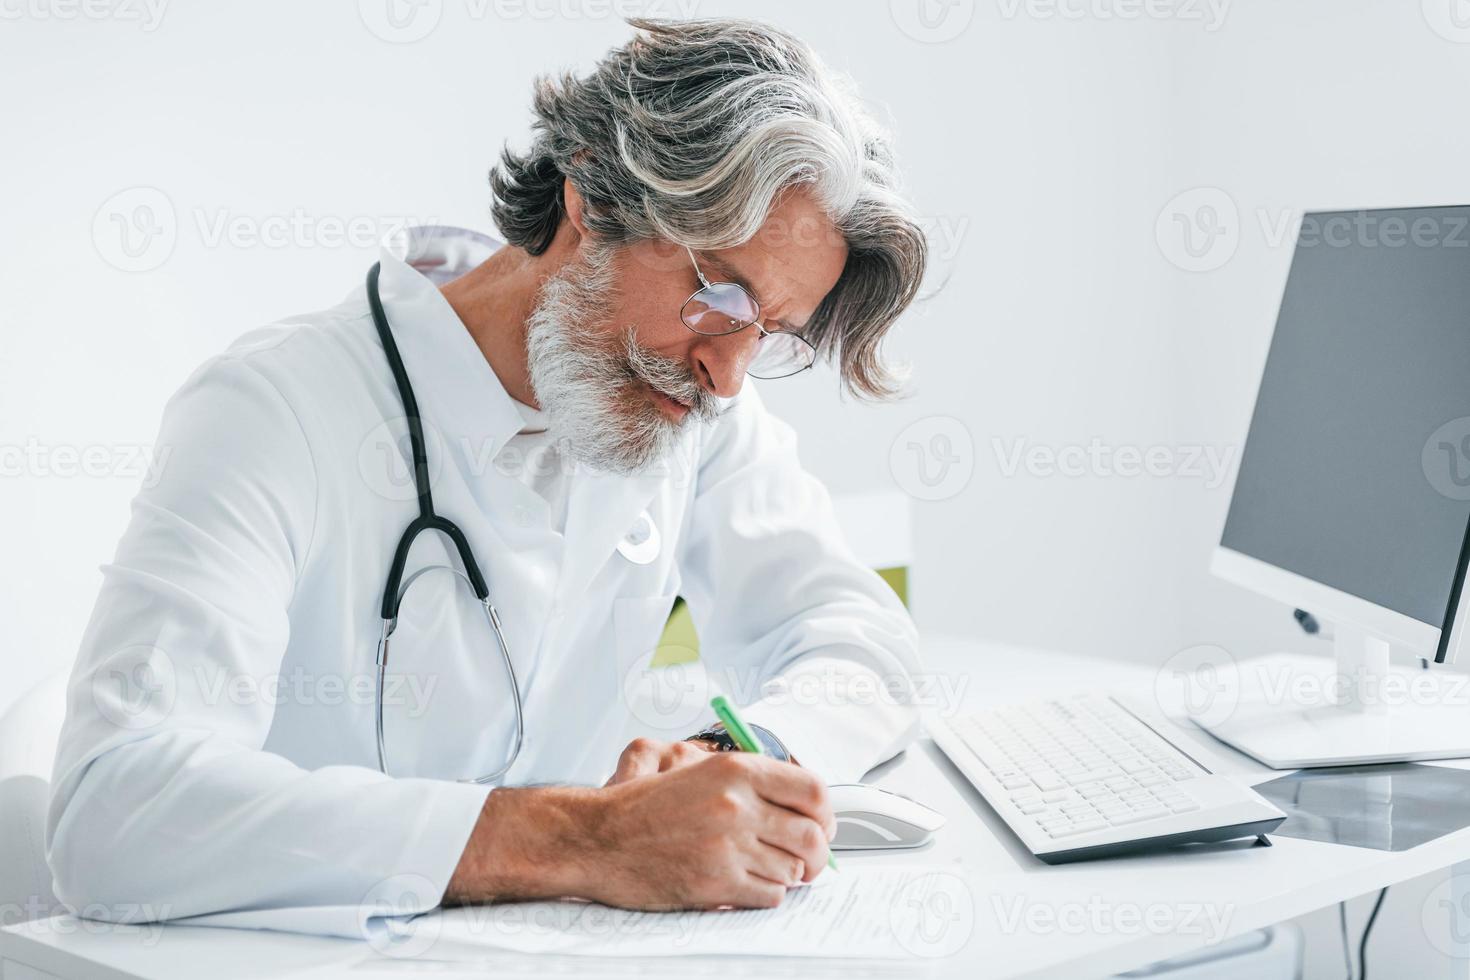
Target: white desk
(1025, 918)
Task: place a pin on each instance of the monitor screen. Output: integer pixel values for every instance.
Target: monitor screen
(1356, 469)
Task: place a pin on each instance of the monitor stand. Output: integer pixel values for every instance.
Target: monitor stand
(1292, 714)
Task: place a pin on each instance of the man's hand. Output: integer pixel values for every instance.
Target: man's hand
(727, 828)
(645, 756)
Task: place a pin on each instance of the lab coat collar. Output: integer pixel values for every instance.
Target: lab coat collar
(474, 417)
(468, 415)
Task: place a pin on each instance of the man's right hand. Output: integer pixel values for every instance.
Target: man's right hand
(730, 829)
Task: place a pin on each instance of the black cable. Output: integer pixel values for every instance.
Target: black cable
(1368, 927)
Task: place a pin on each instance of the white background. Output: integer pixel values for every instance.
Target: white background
(1045, 142)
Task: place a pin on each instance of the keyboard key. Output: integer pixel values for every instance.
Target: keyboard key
(1081, 827)
(1120, 819)
(1046, 779)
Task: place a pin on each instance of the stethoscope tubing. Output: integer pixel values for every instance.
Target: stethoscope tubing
(393, 591)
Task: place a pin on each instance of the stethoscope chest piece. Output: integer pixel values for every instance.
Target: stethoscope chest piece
(642, 542)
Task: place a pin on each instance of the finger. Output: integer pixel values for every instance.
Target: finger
(776, 864)
(794, 788)
(800, 838)
(638, 759)
(756, 892)
(680, 754)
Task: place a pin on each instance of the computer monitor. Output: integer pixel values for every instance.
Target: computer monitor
(1352, 497)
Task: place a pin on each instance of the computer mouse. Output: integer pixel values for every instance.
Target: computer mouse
(869, 818)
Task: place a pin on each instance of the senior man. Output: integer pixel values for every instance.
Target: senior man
(709, 203)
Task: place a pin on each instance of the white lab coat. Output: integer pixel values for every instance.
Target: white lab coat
(218, 757)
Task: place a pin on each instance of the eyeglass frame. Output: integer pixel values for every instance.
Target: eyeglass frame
(764, 333)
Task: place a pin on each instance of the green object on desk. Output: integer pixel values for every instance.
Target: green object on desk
(680, 641)
(745, 739)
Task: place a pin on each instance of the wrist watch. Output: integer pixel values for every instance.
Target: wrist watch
(717, 736)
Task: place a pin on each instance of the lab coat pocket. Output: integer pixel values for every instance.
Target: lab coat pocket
(639, 623)
(664, 702)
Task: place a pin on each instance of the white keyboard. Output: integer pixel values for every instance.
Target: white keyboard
(1082, 777)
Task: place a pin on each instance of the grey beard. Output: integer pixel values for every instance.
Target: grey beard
(590, 384)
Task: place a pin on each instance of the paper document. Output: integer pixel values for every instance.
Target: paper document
(860, 912)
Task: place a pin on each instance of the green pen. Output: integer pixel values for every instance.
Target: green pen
(745, 739)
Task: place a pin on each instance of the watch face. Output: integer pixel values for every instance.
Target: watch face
(771, 745)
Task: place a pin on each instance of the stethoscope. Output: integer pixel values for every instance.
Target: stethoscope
(427, 520)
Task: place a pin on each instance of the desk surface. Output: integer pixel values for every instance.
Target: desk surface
(1010, 914)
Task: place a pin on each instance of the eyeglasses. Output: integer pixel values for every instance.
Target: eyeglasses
(720, 308)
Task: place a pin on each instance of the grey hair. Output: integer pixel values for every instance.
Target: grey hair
(690, 132)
